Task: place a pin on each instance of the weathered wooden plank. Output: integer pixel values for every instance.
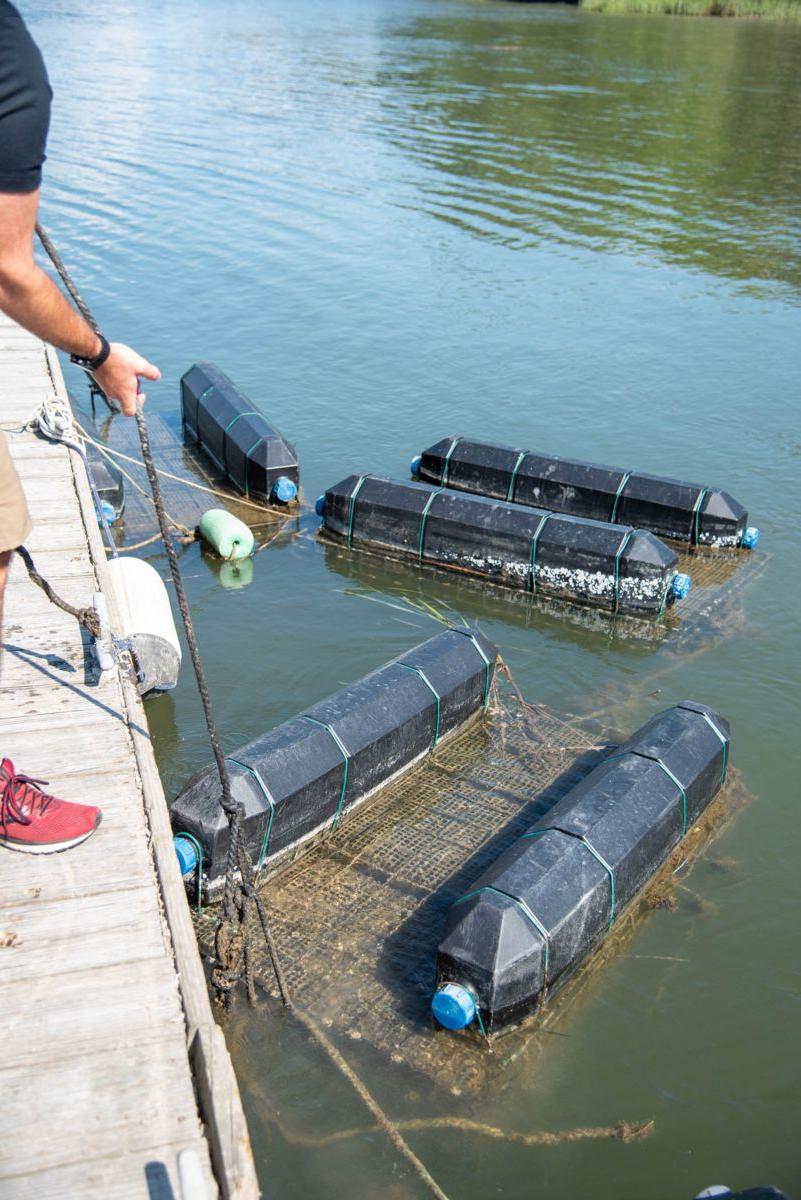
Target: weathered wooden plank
(97, 1011)
(147, 1103)
(120, 1177)
(54, 564)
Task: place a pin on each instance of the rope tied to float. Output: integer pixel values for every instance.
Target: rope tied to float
(446, 465)
(437, 698)
(421, 536)
(265, 791)
(346, 757)
(625, 477)
(510, 491)
(232, 957)
(531, 916)
(585, 841)
(352, 506)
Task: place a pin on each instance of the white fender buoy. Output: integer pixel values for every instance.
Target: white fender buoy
(146, 621)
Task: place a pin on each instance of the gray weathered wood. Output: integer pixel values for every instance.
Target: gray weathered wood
(101, 985)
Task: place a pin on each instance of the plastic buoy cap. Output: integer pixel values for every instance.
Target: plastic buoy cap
(453, 1006)
(186, 853)
(681, 585)
(284, 490)
(415, 465)
(110, 513)
(319, 506)
(750, 537)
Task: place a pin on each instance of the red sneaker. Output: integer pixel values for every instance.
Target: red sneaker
(36, 823)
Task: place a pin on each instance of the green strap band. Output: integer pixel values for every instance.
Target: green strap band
(487, 663)
(723, 739)
(190, 837)
(352, 506)
(510, 491)
(446, 466)
(535, 543)
(423, 519)
(585, 841)
(230, 425)
(664, 767)
(695, 528)
(265, 791)
(524, 908)
(422, 675)
(626, 476)
(345, 755)
(627, 536)
(245, 485)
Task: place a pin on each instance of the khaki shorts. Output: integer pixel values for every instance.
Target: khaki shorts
(15, 520)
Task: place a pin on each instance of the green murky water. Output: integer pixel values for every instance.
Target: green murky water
(391, 220)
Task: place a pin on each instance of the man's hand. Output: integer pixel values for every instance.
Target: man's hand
(120, 374)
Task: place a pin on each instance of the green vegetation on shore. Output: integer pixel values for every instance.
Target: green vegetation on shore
(778, 10)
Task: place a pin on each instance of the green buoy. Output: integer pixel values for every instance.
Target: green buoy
(225, 533)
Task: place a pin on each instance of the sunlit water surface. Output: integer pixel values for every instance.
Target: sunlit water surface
(392, 220)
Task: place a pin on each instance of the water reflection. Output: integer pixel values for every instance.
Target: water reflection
(679, 142)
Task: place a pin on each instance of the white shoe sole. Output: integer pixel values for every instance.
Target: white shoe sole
(49, 848)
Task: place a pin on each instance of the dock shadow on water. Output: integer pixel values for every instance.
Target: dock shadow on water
(358, 919)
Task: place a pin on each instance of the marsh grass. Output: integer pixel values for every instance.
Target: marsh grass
(778, 10)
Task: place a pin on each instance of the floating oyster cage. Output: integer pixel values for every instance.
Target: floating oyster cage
(713, 610)
(594, 563)
(372, 896)
(671, 508)
(302, 778)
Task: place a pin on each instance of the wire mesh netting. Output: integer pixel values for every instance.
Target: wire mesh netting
(359, 916)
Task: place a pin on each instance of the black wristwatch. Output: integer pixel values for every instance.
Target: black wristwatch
(93, 364)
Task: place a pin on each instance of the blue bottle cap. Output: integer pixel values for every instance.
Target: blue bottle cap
(284, 490)
(187, 854)
(319, 506)
(681, 585)
(453, 1006)
(416, 464)
(750, 537)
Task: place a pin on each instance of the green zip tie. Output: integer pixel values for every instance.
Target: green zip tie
(352, 507)
(346, 757)
(524, 908)
(434, 693)
(423, 518)
(626, 539)
(245, 485)
(510, 491)
(190, 837)
(618, 495)
(535, 542)
(480, 1021)
(653, 758)
(585, 841)
(485, 660)
(446, 466)
(265, 845)
(724, 741)
(230, 424)
(695, 528)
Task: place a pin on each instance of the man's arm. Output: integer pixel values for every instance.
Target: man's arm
(30, 297)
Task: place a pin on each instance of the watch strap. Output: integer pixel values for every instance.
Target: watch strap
(93, 364)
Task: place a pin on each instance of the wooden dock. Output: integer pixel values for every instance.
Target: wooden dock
(112, 1063)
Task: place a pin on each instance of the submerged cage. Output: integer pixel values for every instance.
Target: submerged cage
(295, 781)
(588, 562)
(532, 918)
(238, 439)
(687, 512)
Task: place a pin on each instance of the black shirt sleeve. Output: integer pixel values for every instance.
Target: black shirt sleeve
(24, 105)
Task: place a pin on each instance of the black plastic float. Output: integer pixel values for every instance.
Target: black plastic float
(588, 562)
(303, 776)
(238, 439)
(688, 512)
(551, 897)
